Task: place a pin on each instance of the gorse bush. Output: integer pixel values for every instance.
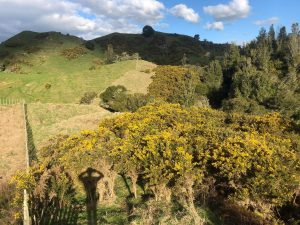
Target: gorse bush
(175, 152)
(174, 84)
(8, 211)
(73, 53)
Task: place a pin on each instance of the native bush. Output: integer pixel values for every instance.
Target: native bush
(116, 98)
(88, 97)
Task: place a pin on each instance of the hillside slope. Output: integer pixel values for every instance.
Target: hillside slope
(163, 48)
(55, 68)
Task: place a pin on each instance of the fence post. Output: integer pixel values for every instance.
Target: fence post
(26, 219)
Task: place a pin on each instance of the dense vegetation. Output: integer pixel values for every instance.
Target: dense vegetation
(163, 48)
(182, 158)
(214, 143)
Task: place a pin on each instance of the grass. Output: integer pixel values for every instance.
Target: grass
(137, 80)
(48, 120)
(68, 80)
(45, 75)
(12, 140)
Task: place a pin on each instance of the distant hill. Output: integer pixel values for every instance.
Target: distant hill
(164, 48)
(160, 48)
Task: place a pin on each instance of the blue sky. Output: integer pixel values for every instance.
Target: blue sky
(215, 20)
(284, 13)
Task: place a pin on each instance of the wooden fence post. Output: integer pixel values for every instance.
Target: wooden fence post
(26, 219)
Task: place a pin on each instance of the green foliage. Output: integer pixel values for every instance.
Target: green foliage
(73, 53)
(263, 75)
(116, 98)
(174, 84)
(174, 151)
(88, 97)
(90, 45)
(148, 31)
(51, 194)
(9, 213)
(164, 48)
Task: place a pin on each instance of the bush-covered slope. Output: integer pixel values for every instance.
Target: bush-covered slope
(163, 48)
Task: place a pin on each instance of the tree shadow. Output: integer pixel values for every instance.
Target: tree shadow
(90, 178)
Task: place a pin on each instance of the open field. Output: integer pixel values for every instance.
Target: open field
(48, 120)
(137, 80)
(66, 87)
(12, 140)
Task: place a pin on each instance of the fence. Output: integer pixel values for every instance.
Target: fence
(26, 216)
(10, 101)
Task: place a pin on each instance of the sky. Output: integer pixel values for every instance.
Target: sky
(219, 21)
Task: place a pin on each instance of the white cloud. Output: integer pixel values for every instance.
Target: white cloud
(144, 11)
(269, 21)
(85, 18)
(235, 9)
(214, 26)
(184, 12)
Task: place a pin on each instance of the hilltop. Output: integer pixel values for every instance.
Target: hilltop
(164, 48)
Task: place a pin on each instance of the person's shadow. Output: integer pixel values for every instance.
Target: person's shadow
(90, 178)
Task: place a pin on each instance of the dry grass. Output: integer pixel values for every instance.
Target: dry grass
(12, 140)
(49, 120)
(138, 80)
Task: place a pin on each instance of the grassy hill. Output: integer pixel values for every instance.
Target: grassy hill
(163, 48)
(55, 68)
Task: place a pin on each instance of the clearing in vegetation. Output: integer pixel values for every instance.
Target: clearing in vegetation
(49, 120)
(137, 80)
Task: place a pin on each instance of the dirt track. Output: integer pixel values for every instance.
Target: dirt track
(12, 140)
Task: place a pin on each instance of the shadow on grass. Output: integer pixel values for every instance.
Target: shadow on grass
(90, 178)
(30, 139)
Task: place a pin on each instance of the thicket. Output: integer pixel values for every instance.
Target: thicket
(73, 53)
(183, 159)
(261, 76)
(117, 99)
(264, 74)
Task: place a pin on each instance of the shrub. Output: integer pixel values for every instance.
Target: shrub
(88, 98)
(90, 45)
(32, 49)
(7, 211)
(48, 86)
(174, 84)
(15, 68)
(116, 98)
(148, 31)
(2, 67)
(73, 53)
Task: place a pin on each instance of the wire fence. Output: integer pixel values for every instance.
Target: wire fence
(11, 101)
(26, 216)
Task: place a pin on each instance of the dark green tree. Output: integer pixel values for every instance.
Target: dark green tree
(148, 31)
